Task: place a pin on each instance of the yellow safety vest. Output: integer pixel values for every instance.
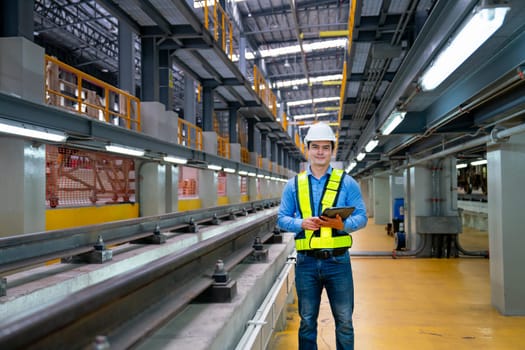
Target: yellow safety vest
(328, 237)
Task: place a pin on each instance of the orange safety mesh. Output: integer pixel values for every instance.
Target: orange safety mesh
(188, 183)
(221, 184)
(84, 178)
(244, 185)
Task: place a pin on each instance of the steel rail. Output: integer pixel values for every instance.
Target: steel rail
(33, 248)
(126, 308)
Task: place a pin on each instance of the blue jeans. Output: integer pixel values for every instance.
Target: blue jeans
(334, 274)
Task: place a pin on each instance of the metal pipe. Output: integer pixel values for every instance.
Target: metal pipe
(478, 253)
(494, 136)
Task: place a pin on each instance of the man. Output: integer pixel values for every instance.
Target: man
(322, 243)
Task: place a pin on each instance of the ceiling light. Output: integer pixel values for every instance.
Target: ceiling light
(267, 177)
(311, 115)
(360, 156)
(461, 166)
(214, 167)
(175, 160)
(34, 132)
(315, 100)
(243, 173)
(371, 145)
(351, 166)
(125, 150)
(287, 64)
(252, 174)
(479, 162)
(229, 170)
(260, 176)
(392, 122)
(474, 32)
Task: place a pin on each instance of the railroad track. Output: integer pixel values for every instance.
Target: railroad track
(124, 309)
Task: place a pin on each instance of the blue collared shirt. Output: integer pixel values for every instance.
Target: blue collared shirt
(289, 217)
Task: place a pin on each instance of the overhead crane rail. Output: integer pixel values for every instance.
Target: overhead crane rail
(34, 248)
(128, 307)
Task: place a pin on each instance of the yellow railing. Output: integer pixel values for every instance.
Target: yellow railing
(223, 146)
(262, 89)
(284, 122)
(222, 26)
(72, 89)
(245, 155)
(189, 135)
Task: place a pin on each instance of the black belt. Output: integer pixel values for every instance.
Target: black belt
(323, 253)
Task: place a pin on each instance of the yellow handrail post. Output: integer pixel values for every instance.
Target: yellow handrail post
(79, 94)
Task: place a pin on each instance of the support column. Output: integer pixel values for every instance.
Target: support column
(505, 169)
(232, 123)
(126, 58)
(150, 70)
(22, 68)
(165, 79)
(16, 19)
(242, 54)
(23, 162)
(24, 204)
(419, 193)
(233, 188)
(172, 188)
(208, 182)
(381, 200)
(251, 141)
(152, 189)
(207, 106)
(190, 99)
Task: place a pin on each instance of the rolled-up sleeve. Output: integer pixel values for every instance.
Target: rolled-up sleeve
(288, 218)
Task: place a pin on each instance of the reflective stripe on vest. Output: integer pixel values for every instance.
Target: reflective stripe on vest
(328, 237)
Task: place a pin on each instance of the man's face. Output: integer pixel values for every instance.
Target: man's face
(320, 152)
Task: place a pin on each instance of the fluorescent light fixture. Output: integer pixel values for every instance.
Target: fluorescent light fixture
(313, 80)
(393, 120)
(371, 145)
(243, 173)
(316, 100)
(260, 176)
(295, 49)
(360, 156)
(312, 115)
(252, 174)
(461, 166)
(229, 170)
(125, 150)
(31, 132)
(214, 167)
(479, 162)
(267, 177)
(474, 32)
(351, 166)
(175, 160)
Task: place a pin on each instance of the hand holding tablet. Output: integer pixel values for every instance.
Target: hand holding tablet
(343, 212)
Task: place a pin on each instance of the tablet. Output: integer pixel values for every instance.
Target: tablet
(344, 212)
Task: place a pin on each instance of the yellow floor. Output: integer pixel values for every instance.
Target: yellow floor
(419, 304)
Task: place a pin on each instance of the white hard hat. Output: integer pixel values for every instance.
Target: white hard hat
(319, 132)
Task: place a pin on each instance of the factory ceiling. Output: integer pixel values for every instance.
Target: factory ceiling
(321, 71)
